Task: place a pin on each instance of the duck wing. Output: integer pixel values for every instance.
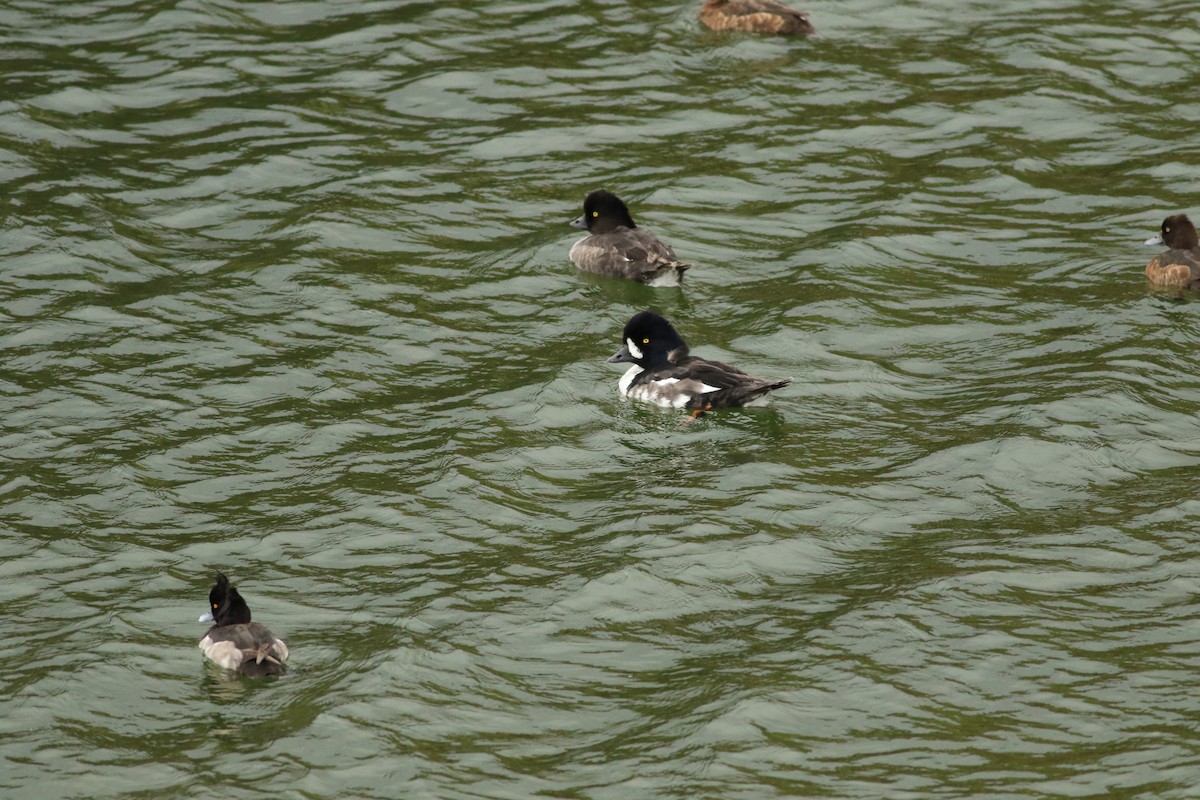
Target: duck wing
(711, 384)
(1175, 268)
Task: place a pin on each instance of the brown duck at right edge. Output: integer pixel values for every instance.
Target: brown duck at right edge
(1179, 266)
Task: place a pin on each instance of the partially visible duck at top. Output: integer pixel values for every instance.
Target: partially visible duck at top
(1179, 266)
(617, 248)
(755, 16)
(234, 642)
(666, 374)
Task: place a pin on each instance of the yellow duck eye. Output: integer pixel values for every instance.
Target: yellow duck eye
(595, 213)
(1166, 228)
(645, 341)
(215, 605)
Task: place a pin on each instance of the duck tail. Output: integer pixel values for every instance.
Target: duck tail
(669, 273)
(260, 661)
(759, 389)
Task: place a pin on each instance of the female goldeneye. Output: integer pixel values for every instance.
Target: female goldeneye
(664, 374)
(618, 248)
(1179, 266)
(755, 16)
(234, 642)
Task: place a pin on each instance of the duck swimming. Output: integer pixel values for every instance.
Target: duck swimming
(1179, 266)
(755, 16)
(664, 373)
(616, 247)
(234, 642)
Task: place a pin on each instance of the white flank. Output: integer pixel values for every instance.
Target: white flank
(223, 654)
(660, 393)
(228, 655)
(669, 392)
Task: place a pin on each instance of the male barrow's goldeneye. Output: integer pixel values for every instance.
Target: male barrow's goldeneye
(1179, 266)
(234, 642)
(664, 374)
(618, 248)
(755, 16)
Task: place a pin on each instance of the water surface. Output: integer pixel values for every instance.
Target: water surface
(285, 293)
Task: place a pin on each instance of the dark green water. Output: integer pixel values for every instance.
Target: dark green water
(284, 292)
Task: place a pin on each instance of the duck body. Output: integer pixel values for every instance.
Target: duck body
(1180, 265)
(617, 248)
(755, 16)
(666, 374)
(236, 643)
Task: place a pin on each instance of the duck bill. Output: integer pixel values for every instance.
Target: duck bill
(580, 223)
(622, 356)
(206, 618)
(1155, 239)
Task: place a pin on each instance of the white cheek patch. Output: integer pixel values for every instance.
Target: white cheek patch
(633, 349)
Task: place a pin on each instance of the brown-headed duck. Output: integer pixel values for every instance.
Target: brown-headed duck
(755, 16)
(618, 248)
(665, 374)
(1179, 266)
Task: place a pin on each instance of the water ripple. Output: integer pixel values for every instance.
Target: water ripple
(285, 293)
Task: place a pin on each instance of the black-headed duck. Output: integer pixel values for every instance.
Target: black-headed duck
(234, 642)
(665, 374)
(618, 248)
